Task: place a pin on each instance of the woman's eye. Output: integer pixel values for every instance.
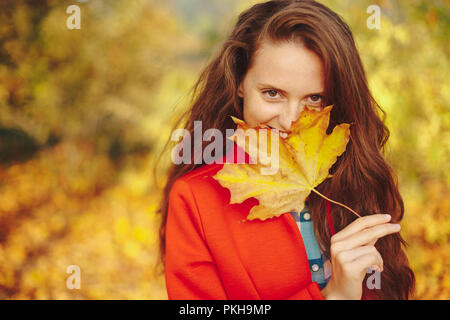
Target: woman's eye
(314, 102)
(271, 93)
(315, 99)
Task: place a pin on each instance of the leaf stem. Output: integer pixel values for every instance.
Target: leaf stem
(342, 205)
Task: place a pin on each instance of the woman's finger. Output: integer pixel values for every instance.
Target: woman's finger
(365, 237)
(364, 262)
(361, 224)
(351, 255)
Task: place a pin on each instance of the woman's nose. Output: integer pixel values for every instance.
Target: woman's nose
(290, 115)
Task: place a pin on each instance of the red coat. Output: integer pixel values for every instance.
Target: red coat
(211, 254)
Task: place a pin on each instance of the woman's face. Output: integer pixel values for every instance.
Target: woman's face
(284, 77)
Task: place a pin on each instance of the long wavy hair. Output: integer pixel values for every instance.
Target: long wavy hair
(362, 178)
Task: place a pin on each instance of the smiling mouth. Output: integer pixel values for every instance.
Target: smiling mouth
(283, 134)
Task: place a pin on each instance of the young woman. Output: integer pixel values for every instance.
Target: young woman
(280, 57)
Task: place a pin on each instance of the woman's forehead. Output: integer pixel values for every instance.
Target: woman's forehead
(287, 65)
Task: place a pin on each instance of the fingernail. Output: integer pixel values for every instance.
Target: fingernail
(397, 226)
(387, 217)
(374, 268)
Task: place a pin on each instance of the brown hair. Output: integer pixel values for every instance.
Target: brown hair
(362, 179)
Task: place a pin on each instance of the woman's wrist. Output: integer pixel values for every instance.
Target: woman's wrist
(325, 293)
(328, 293)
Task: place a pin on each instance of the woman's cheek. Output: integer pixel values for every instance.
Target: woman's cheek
(259, 111)
(266, 111)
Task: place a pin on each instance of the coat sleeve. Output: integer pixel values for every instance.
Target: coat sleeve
(190, 271)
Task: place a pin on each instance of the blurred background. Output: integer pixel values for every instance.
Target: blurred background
(84, 113)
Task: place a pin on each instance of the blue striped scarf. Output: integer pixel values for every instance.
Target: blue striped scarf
(319, 265)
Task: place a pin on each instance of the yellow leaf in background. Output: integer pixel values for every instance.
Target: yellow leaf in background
(305, 157)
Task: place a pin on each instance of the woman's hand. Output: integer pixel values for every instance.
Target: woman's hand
(353, 252)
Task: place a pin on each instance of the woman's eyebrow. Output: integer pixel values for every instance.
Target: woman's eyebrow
(267, 85)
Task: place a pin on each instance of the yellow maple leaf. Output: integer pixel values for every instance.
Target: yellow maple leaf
(305, 157)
